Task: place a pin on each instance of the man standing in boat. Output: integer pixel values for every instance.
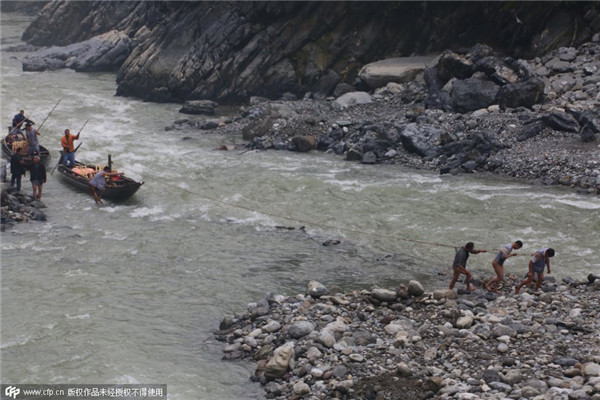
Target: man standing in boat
(19, 119)
(68, 148)
(32, 138)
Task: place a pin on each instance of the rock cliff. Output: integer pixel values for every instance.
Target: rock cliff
(229, 51)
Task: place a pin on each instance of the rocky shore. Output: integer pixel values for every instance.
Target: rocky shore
(535, 121)
(19, 207)
(412, 344)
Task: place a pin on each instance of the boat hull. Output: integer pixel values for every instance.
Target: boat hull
(27, 159)
(116, 190)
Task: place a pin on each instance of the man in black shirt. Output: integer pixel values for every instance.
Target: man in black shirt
(460, 264)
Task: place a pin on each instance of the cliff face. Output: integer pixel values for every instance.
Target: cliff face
(228, 51)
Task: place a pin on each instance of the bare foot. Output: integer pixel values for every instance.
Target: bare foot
(471, 288)
(516, 290)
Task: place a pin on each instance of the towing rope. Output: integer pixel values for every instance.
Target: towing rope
(304, 222)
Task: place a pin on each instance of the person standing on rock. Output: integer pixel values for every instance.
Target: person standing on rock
(460, 264)
(498, 264)
(17, 170)
(539, 259)
(37, 176)
(68, 148)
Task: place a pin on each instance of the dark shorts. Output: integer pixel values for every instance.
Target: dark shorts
(96, 190)
(500, 258)
(538, 266)
(35, 182)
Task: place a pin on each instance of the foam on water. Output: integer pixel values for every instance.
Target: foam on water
(81, 316)
(142, 212)
(581, 204)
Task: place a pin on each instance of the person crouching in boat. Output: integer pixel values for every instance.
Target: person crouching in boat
(68, 148)
(98, 183)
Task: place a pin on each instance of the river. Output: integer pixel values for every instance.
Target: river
(131, 292)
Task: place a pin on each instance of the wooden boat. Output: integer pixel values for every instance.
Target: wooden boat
(8, 149)
(79, 176)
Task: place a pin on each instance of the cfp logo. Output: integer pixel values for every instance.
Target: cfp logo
(12, 391)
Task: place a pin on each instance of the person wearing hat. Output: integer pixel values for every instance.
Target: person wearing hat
(68, 148)
(32, 138)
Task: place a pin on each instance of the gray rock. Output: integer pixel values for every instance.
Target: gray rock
(205, 107)
(384, 295)
(421, 139)
(259, 309)
(415, 288)
(105, 52)
(351, 99)
(521, 94)
(326, 338)
(271, 326)
(300, 329)
(280, 362)
(316, 289)
(401, 69)
(473, 94)
(502, 387)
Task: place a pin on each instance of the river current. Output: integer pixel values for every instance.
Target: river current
(131, 292)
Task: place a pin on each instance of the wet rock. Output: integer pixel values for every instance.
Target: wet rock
(204, 107)
(303, 144)
(316, 289)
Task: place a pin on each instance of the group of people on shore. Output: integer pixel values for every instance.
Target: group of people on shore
(538, 262)
(29, 136)
(24, 142)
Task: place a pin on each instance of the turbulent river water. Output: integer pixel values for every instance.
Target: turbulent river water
(131, 292)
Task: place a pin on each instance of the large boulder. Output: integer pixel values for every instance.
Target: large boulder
(104, 53)
(400, 69)
(561, 121)
(452, 65)
(421, 139)
(521, 94)
(303, 143)
(473, 94)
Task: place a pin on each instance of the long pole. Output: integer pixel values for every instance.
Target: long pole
(51, 111)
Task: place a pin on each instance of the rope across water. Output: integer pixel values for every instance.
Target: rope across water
(300, 221)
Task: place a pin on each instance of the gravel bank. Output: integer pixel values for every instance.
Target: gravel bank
(382, 344)
(553, 142)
